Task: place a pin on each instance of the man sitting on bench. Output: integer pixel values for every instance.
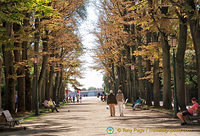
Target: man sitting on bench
(138, 103)
(52, 105)
(189, 112)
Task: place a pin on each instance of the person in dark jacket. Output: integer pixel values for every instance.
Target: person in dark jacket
(111, 101)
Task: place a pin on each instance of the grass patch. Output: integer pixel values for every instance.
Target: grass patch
(33, 117)
(129, 104)
(64, 104)
(169, 111)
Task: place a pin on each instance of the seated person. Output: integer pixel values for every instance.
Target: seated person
(138, 102)
(46, 103)
(52, 105)
(189, 112)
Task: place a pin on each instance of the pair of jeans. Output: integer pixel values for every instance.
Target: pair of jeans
(136, 105)
(53, 108)
(112, 109)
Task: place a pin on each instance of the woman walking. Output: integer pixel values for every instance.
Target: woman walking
(120, 102)
(111, 101)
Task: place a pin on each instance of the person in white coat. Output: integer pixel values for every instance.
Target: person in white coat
(120, 102)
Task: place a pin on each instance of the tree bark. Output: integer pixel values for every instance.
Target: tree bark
(36, 51)
(0, 82)
(180, 72)
(10, 73)
(60, 85)
(20, 71)
(166, 72)
(41, 80)
(55, 89)
(156, 83)
(148, 85)
(47, 93)
(140, 75)
(50, 84)
(28, 93)
(195, 31)
(148, 68)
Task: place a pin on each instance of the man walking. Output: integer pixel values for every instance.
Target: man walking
(120, 102)
(111, 101)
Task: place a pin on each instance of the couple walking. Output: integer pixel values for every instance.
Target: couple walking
(112, 101)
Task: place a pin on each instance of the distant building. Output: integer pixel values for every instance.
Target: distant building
(87, 93)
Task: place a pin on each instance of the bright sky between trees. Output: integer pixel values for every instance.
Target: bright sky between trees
(92, 78)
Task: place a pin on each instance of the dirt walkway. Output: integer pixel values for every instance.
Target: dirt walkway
(91, 118)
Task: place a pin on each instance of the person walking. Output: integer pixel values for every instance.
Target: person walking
(111, 101)
(120, 102)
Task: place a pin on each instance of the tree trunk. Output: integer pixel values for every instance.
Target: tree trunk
(124, 82)
(193, 15)
(113, 78)
(28, 92)
(8, 62)
(50, 84)
(41, 80)
(148, 68)
(148, 85)
(55, 89)
(60, 85)
(0, 82)
(166, 72)
(128, 73)
(156, 84)
(195, 31)
(180, 72)
(46, 88)
(20, 71)
(43, 90)
(140, 75)
(36, 50)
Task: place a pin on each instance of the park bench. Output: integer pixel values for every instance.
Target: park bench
(195, 118)
(140, 107)
(46, 106)
(9, 119)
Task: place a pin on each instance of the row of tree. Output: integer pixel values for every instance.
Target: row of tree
(134, 48)
(40, 50)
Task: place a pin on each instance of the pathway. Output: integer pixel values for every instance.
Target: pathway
(91, 118)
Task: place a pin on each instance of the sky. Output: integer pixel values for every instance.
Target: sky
(92, 78)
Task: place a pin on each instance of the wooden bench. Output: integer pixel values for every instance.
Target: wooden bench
(195, 118)
(46, 105)
(9, 119)
(141, 105)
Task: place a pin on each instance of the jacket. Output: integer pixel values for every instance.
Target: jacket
(120, 97)
(111, 99)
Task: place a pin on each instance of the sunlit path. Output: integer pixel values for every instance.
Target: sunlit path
(91, 118)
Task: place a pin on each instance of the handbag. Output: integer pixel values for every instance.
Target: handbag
(123, 106)
(107, 107)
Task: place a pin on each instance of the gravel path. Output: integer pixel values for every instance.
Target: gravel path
(91, 118)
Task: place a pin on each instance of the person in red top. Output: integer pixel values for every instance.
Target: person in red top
(189, 112)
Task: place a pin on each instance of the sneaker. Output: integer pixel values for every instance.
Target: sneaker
(183, 123)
